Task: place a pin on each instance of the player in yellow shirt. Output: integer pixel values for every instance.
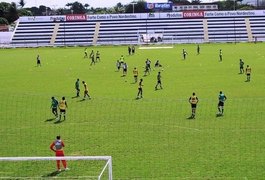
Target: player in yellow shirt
(62, 107)
(135, 75)
(85, 91)
(248, 73)
(193, 101)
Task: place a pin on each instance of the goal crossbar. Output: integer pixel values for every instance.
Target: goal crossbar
(108, 160)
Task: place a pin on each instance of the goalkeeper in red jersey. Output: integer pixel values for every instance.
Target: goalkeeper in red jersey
(57, 146)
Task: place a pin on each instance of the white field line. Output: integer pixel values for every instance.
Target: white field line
(180, 127)
(157, 47)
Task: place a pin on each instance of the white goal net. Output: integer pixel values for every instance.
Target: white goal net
(154, 40)
(80, 167)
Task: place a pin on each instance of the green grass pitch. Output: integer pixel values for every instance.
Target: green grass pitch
(149, 138)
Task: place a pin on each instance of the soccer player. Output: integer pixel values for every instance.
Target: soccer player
(158, 81)
(241, 66)
(77, 88)
(222, 98)
(38, 61)
(157, 64)
(248, 73)
(148, 64)
(220, 55)
(54, 106)
(118, 65)
(85, 56)
(147, 70)
(121, 59)
(135, 75)
(140, 89)
(198, 49)
(92, 57)
(97, 56)
(57, 146)
(133, 49)
(184, 53)
(62, 107)
(193, 101)
(85, 91)
(91, 54)
(129, 50)
(125, 68)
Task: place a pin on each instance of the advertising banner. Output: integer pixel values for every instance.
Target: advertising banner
(158, 6)
(76, 17)
(234, 13)
(193, 14)
(41, 18)
(140, 16)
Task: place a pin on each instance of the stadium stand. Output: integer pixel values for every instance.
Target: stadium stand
(178, 27)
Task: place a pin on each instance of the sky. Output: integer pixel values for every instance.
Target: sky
(54, 4)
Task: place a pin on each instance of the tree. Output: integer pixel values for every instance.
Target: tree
(3, 21)
(22, 3)
(12, 14)
(119, 8)
(4, 9)
(184, 2)
(76, 7)
(227, 5)
(35, 11)
(139, 7)
(24, 12)
(196, 2)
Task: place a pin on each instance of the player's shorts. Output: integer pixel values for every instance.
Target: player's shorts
(77, 89)
(248, 74)
(193, 106)
(38, 61)
(221, 103)
(125, 70)
(140, 89)
(62, 110)
(158, 81)
(59, 153)
(86, 91)
(54, 109)
(135, 76)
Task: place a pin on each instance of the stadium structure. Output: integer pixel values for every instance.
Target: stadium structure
(172, 27)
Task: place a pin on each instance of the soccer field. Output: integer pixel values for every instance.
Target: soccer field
(148, 138)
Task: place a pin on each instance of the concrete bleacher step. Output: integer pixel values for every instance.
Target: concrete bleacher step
(205, 30)
(54, 34)
(96, 33)
(249, 32)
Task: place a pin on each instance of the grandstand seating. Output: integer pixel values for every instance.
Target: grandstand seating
(120, 31)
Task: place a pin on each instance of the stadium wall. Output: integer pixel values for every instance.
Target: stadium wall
(176, 27)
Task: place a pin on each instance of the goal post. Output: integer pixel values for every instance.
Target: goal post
(152, 39)
(107, 159)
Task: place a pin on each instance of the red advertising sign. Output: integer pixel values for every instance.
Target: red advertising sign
(76, 17)
(193, 14)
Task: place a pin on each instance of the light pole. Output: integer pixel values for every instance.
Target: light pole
(235, 20)
(133, 3)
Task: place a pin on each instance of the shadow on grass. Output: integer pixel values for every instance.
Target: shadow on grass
(59, 121)
(138, 98)
(75, 97)
(219, 115)
(190, 118)
(54, 173)
(81, 100)
(49, 120)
